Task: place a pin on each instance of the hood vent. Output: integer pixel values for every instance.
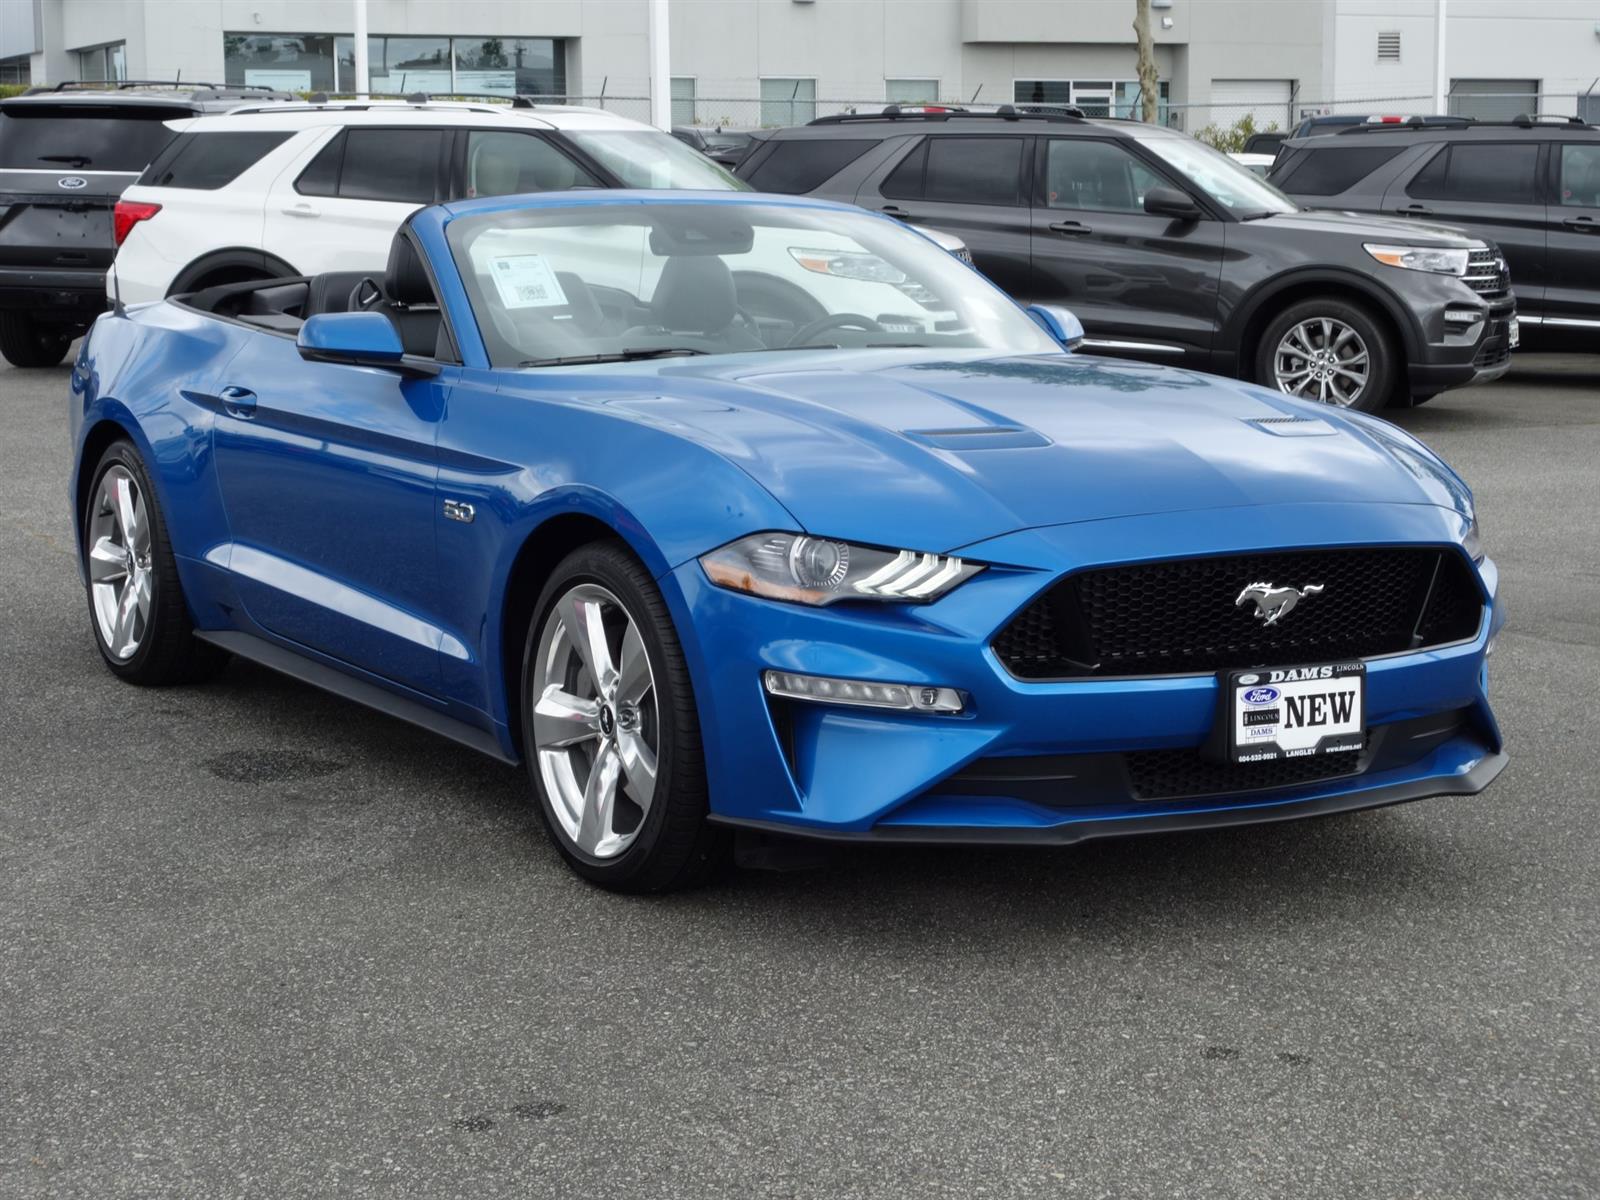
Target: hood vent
(980, 437)
(1292, 426)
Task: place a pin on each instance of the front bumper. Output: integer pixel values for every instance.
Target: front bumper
(1453, 353)
(1046, 762)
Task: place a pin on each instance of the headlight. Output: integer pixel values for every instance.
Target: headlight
(814, 570)
(1472, 539)
(1420, 258)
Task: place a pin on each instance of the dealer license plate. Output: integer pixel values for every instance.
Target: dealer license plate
(1515, 333)
(1288, 712)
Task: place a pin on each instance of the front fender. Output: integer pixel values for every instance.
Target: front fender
(1250, 305)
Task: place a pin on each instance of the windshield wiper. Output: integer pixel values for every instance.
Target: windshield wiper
(1259, 213)
(637, 354)
(72, 160)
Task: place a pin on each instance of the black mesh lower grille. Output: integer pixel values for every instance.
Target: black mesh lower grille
(1167, 774)
(1190, 615)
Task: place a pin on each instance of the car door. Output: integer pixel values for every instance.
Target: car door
(509, 162)
(1142, 284)
(327, 474)
(337, 207)
(1572, 291)
(1492, 190)
(972, 186)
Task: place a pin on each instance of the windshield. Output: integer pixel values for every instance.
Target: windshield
(59, 137)
(655, 161)
(1224, 180)
(599, 281)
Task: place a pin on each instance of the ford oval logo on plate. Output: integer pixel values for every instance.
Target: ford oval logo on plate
(1261, 695)
(72, 182)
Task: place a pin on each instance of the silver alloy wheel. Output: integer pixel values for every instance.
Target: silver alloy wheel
(120, 566)
(596, 728)
(1322, 359)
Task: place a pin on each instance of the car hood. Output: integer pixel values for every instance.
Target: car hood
(937, 455)
(1404, 230)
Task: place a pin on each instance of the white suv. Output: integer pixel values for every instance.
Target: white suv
(303, 189)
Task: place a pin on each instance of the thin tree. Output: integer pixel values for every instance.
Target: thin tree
(1148, 93)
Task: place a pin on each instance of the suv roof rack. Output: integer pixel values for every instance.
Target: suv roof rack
(1520, 121)
(1004, 112)
(221, 90)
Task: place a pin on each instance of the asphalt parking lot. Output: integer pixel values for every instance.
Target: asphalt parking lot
(257, 942)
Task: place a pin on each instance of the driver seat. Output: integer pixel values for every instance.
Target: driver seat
(696, 294)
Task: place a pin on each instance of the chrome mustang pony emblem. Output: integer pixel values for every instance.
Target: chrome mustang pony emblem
(1274, 602)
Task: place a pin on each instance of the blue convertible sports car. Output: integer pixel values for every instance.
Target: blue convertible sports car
(728, 511)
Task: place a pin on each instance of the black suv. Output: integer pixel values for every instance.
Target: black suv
(1168, 250)
(1532, 186)
(66, 154)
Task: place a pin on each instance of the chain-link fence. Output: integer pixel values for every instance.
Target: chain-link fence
(1224, 125)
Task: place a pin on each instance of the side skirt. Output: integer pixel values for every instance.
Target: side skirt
(258, 650)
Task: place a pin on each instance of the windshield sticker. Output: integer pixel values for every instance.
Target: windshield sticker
(526, 281)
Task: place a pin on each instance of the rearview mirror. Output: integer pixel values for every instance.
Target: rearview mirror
(359, 339)
(1060, 323)
(1170, 202)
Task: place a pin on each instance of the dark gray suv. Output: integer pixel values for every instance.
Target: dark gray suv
(1168, 250)
(66, 154)
(1532, 186)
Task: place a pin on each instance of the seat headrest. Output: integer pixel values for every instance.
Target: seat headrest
(695, 295)
(404, 280)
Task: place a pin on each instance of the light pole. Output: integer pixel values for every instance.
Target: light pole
(361, 47)
(660, 67)
(1441, 77)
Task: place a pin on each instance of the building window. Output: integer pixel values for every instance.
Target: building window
(103, 64)
(683, 100)
(788, 101)
(1589, 109)
(1389, 45)
(1097, 97)
(1493, 99)
(325, 62)
(16, 70)
(911, 91)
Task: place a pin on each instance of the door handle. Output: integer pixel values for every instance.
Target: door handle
(1414, 210)
(302, 210)
(1582, 224)
(894, 210)
(238, 401)
(1071, 228)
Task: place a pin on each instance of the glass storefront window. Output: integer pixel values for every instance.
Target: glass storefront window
(103, 64)
(293, 62)
(326, 62)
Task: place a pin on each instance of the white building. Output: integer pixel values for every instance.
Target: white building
(780, 61)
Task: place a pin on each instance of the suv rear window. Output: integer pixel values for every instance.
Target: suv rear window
(802, 165)
(1481, 172)
(1328, 172)
(207, 161)
(960, 170)
(400, 165)
(83, 137)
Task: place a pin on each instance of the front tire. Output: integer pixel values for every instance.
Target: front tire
(610, 731)
(136, 606)
(1329, 350)
(26, 343)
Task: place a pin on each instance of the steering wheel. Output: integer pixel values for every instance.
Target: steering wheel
(845, 320)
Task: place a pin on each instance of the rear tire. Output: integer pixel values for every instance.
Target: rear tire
(618, 766)
(145, 637)
(1330, 350)
(25, 343)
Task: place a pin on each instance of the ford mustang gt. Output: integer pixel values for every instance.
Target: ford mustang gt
(746, 512)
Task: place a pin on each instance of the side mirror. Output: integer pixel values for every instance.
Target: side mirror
(359, 339)
(1060, 323)
(1170, 202)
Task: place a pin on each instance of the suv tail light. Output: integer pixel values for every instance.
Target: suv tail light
(127, 214)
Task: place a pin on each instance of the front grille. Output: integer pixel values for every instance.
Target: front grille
(1182, 617)
(1170, 774)
(1487, 273)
